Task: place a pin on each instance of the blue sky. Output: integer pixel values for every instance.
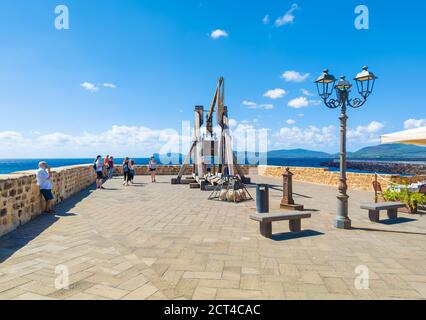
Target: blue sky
(161, 59)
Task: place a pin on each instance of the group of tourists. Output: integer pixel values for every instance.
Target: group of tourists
(104, 168)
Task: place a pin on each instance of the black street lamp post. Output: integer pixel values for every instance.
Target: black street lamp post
(326, 83)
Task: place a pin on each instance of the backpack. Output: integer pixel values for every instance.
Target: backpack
(94, 166)
(126, 167)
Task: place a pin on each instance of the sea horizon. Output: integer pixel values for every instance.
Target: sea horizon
(8, 166)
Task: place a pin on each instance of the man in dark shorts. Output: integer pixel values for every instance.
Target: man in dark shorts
(44, 181)
(99, 168)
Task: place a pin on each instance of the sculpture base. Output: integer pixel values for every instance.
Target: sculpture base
(292, 207)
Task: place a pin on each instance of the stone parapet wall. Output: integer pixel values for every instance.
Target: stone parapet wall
(356, 181)
(20, 198)
(21, 201)
(173, 170)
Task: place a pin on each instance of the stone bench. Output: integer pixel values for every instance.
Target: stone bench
(266, 219)
(375, 208)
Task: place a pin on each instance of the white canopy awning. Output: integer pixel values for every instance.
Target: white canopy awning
(414, 136)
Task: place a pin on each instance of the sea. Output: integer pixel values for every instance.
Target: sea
(14, 165)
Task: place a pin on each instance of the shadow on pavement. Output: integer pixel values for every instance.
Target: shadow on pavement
(19, 238)
(388, 231)
(391, 222)
(296, 235)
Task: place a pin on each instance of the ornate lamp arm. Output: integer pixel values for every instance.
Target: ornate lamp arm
(356, 102)
(332, 103)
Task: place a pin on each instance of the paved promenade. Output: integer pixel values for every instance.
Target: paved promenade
(158, 241)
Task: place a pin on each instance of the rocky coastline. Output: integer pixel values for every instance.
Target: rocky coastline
(409, 168)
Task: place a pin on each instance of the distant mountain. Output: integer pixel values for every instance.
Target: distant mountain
(381, 152)
(289, 154)
(389, 152)
(297, 153)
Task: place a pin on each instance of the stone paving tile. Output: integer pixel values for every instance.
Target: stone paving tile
(11, 293)
(14, 283)
(133, 283)
(336, 286)
(231, 294)
(107, 292)
(142, 293)
(43, 289)
(201, 293)
(85, 296)
(202, 275)
(160, 241)
(73, 290)
(32, 296)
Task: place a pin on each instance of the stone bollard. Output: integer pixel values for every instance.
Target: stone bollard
(262, 198)
(287, 201)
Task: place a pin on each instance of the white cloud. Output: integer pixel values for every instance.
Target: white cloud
(216, 34)
(368, 134)
(139, 141)
(232, 123)
(302, 102)
(309, 137)
(275, 93)
(11, 138)
(117, 136)
(56, 139)
(90, 87)
(288, 17)
(110, 85)
(266, 19)
(301, 115)
(266, 106)
(307, 93)
(250, 104)
(294, 76)
(254, 105)
(298, 103)
(414, 123)
(325, 138)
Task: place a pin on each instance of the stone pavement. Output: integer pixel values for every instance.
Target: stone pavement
(158, 241)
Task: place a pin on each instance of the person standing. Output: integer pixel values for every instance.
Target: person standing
(111, 167)
(44, 181)
(99, 167)
(152, 169)
(106, 167)
(126, 170)
(132, 171)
